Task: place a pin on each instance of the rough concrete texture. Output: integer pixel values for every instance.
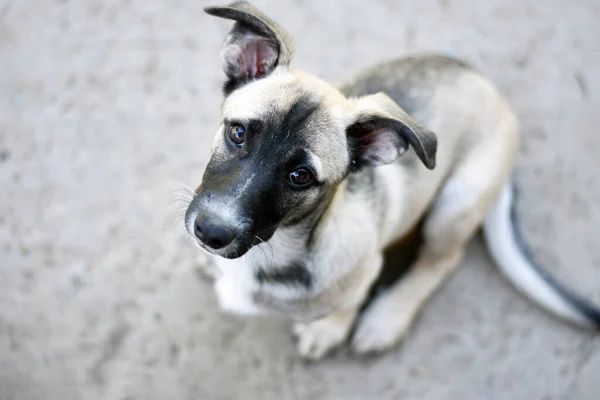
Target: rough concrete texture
(106, 106)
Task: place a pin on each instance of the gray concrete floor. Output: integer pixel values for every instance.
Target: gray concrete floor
(106, 106)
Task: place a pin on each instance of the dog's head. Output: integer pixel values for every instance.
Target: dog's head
(286, 140)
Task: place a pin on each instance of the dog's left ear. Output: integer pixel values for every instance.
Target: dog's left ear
(255, 46)
(380, 131)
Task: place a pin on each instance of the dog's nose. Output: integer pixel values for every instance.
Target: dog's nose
(211, 234)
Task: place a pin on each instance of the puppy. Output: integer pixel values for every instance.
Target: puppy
(309, 183)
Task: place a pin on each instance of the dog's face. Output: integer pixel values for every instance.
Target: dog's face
(286, 140)
(277, 155)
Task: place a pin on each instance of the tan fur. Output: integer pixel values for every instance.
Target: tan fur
(465, 195)
(477, 143)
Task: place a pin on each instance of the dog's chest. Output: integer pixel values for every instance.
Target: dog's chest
(258, 289)
(235, 287)
(277, 276)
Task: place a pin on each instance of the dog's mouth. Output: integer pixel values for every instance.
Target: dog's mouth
(230, 252)
(233, 251)
(239, 247)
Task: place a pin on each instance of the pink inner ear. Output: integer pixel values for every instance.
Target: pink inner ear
(380, 145)
(255, 56)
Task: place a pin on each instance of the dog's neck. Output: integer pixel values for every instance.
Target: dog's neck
(285, 257)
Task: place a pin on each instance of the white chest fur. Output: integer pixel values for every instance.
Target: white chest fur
(237, 286)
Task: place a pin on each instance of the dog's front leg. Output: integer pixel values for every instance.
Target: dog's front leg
(317, 338)
(457, 213)
(388, 319)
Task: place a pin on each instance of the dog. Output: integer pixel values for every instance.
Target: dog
(308, 184)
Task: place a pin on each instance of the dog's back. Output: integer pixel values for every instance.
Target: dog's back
(448, 97)
(409, 81)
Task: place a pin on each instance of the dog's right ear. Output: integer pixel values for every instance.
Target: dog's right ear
(255, 46)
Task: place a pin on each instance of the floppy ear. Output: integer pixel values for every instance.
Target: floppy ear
(255, 46)
(380, 131)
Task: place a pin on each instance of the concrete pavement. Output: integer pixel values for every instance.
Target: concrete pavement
(107, 106)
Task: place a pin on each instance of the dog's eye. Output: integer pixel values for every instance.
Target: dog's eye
(237, 134)
(301, 177)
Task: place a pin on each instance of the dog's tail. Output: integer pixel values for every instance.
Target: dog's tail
(508, 250)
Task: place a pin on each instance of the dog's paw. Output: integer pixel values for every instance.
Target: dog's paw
(380, 328)
(317, 338)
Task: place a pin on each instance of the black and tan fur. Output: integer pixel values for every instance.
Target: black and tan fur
(416, 139)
